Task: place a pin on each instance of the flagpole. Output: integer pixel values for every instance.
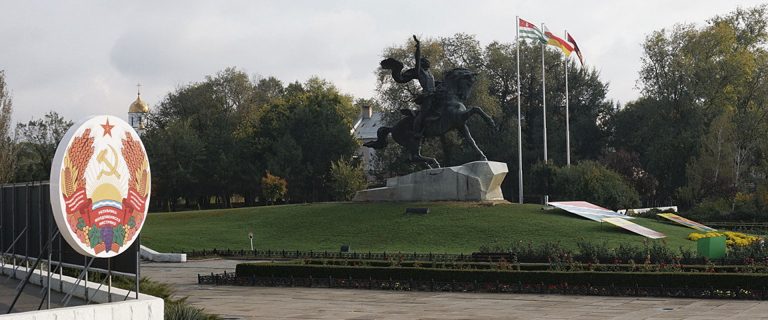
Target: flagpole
(567, 117)
(519, 122)
(544, 96)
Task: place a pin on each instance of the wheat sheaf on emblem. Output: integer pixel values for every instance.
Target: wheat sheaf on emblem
(137, 164)
(138, 167)
(75, 160)
(73, 180)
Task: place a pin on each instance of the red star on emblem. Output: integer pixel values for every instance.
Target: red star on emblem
(107, 128)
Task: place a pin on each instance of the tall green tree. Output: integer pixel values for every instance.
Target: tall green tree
(199, 120)
(665, 135)
(39, 139)
(301, 133)
(212, 139)
(7, 138)
(699, 122)
(176, 156)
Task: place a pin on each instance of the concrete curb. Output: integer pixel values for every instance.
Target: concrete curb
(152, 255)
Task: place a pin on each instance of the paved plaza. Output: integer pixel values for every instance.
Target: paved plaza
(235, 302)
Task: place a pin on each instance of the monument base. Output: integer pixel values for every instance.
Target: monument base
(474, 181)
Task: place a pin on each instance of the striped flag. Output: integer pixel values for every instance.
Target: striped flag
(529, 31)
(556, 41)
(576, 48)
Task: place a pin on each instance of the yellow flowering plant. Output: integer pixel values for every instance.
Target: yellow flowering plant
(732, 238)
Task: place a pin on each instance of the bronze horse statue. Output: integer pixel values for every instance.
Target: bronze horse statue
(448, 112)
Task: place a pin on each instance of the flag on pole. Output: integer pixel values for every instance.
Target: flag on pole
(576, 48)
(529, 31)
(556, 41)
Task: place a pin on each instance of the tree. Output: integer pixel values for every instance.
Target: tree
(703, 108)
(215, 138)
(37, 146)
(300, 134)
(712, 173)
(346, 179)
(176, 158)
(273, 188)
(627, 164)
(664, 135)
(200, 121)
(7, 139)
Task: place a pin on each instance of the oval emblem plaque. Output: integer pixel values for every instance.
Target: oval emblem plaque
(100, 186)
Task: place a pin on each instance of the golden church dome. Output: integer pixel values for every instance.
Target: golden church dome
(138, 106)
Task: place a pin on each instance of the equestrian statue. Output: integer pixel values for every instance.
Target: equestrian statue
(441, 108)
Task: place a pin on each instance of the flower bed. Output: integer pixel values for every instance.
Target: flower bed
(737, 239)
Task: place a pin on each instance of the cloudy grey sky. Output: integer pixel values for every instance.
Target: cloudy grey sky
(85, 57)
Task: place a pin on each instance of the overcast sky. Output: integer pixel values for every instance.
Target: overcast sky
(85, 57)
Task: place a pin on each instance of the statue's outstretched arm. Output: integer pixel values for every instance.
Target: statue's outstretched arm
(417, 54)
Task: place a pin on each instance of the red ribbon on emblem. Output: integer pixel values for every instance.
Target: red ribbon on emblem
(77, 201)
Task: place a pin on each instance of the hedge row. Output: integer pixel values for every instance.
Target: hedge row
(536, 266)
(592, 278)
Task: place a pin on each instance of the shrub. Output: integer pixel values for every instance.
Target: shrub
(588, 181)
(751, 252)
(346, 179)
(181, 310)
(546, 252)
(273, 187)
(711, 210)
(572, 278)
(659, 252)
(626, 252)
(593, 252)
(146, 286)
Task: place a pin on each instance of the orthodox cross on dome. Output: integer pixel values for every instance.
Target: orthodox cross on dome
(107, 128)
(138, 89)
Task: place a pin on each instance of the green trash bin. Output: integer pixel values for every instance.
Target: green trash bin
(712, 248)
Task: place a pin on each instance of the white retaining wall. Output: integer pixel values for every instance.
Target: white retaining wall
(145, 307)
(152, 255)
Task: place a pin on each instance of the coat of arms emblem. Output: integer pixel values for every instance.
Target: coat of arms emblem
(100, 186)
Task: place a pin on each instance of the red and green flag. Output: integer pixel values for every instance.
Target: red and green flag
(576, 48)
(529, 31)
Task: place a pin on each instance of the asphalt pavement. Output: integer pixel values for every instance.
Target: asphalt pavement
(236, 302)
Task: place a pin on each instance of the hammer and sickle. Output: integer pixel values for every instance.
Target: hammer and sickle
(112, 166)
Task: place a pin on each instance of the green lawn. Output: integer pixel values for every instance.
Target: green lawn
(376, 227)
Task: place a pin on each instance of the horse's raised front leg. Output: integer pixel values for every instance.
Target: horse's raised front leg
(468, 139)
(477, 110)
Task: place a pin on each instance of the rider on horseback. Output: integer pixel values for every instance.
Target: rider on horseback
(442, 108)
(426, 80)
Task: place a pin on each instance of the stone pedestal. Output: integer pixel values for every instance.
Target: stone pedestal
(474, 181)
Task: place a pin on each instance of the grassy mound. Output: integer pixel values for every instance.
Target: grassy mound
(449, 227)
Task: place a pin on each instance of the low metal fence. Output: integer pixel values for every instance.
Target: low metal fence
(427, 257)
(296, 254)
(747, 226)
